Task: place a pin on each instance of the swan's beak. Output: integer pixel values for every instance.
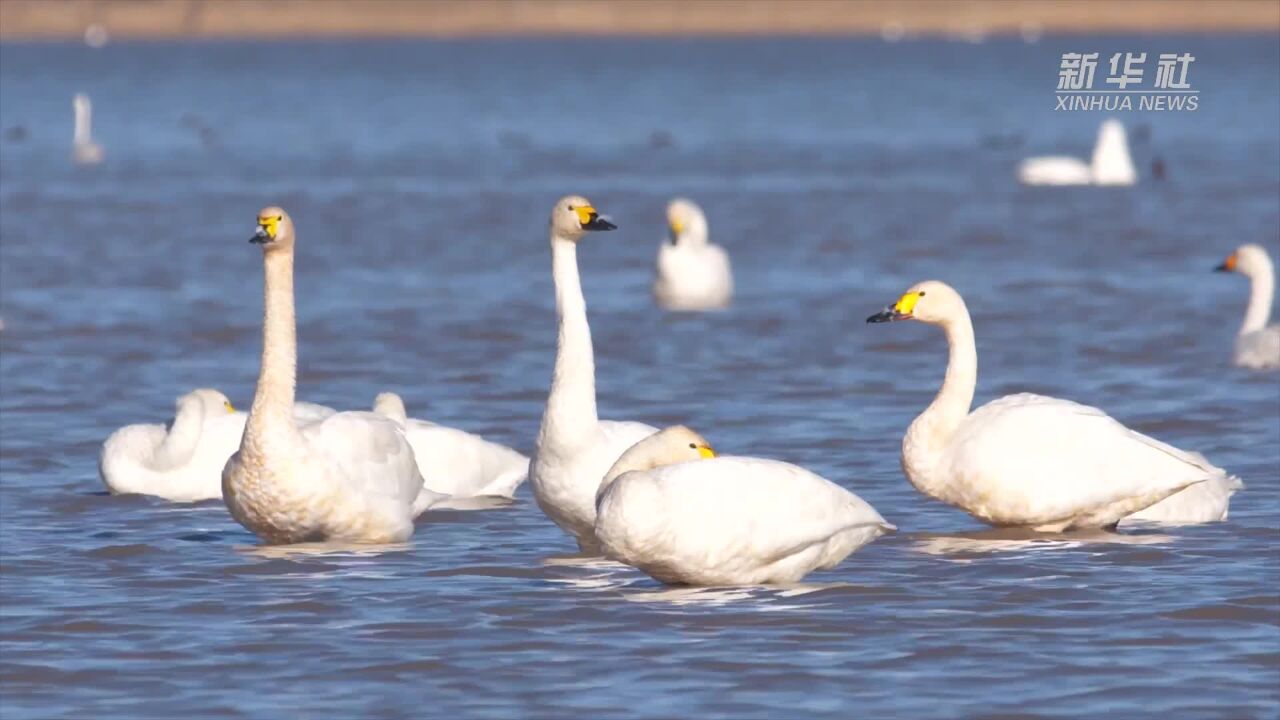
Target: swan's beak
(706, 452)
(901, 310)
(230, 408)
(1227, 265)
(266, 232)
(589, 219)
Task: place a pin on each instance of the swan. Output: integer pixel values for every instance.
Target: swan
(84, 151)
(454, 462)
(1257, 344)
(575, 448)
(350, 477)
(1039, 462)
(692, 273)
(1111, 164)
(181, 461)
(686, 520)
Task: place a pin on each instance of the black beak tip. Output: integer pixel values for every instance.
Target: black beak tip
(1222, 268)
(598, 223)
(258, 239)
(883, 316)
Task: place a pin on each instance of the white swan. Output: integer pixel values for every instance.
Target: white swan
(575, 448)
(692, 273)
(455, 462)
(725, 520)
(1111, 164)
(1257, 344)
(181, 461)
(84, 151)
(1034, 461)
(350, 477)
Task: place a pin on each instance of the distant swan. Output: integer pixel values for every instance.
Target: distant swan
(1111, 163)
(181, 461)
(350, 477)
(1257, 344)
(725, 520)
(574, 447)
(1039, 462)
(692, 272)
(84, 151)
(455, 462)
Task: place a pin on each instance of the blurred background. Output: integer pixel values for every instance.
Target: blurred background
(841, 150)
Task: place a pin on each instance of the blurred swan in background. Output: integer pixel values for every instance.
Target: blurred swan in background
(575, 448)
(1257, 344)
(84, 151)
(183, 460)
(686, 520)
(455, 462)
(1040, 462)
(692, 273)
(349, 477)
(1111, 164)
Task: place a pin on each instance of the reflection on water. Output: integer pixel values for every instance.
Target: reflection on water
(837, 173)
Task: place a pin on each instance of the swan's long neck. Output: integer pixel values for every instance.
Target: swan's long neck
(571, 406)
(1262, 287)
(931, 432)
(183, 436)
(84, 121)
(273, 400)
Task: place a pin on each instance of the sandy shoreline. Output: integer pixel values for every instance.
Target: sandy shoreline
(68, 19)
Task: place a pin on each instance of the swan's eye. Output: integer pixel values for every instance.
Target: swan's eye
(693, 446)
(921, 293)
(570, 208)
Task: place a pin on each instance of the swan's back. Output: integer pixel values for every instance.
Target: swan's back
(1055, 170)
(367, 454)
(693, 277)
(1039, 461)
(732, 520)
(461, 464)
(122, 461)
(1259, 350)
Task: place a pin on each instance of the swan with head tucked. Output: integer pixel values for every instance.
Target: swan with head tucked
(692, 272)
(1257, 344)
(670, 507)
(349, 477)
(180, 461)
(1039, 462)
(84, 151)
(1110, 164)
(455, 462)
(575, 448)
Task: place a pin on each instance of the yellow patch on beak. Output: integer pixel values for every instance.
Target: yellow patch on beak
(585, 214)
(271, 225)
(227, 404)
(706, 452)
(906, 303)
(677, 227)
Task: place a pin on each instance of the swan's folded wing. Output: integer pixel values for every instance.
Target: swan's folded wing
(462, 464)
(367, 451)
(305, 413)
(1043, 459)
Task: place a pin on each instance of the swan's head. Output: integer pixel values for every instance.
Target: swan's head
(575, 216)
(1248, 260)
(389, 404)
(669, 446)
(931, 301)
(206, 402)
(275, 230)
(686, 220)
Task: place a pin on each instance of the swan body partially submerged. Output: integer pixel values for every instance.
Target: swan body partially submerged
(1257, 344)
(692, 273)
(1110, 164)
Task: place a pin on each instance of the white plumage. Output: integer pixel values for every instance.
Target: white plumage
(1257, 344)
(84, 151)
(1041, 462)
(727, 520)
(183, 460)
(349, 477)
(1110, 164)
(455, 462)
(574, 447)
(692, 273)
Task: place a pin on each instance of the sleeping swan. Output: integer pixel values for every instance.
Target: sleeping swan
(1257, 344)
(725, 520)
(181, 461)
(1039, 462)
(349, 477)
(692, 273)
(455, 462)
(575, 448)
(1110, 165)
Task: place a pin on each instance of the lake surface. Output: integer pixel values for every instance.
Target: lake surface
(420, 176)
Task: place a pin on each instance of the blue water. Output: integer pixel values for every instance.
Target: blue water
(420, 175)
